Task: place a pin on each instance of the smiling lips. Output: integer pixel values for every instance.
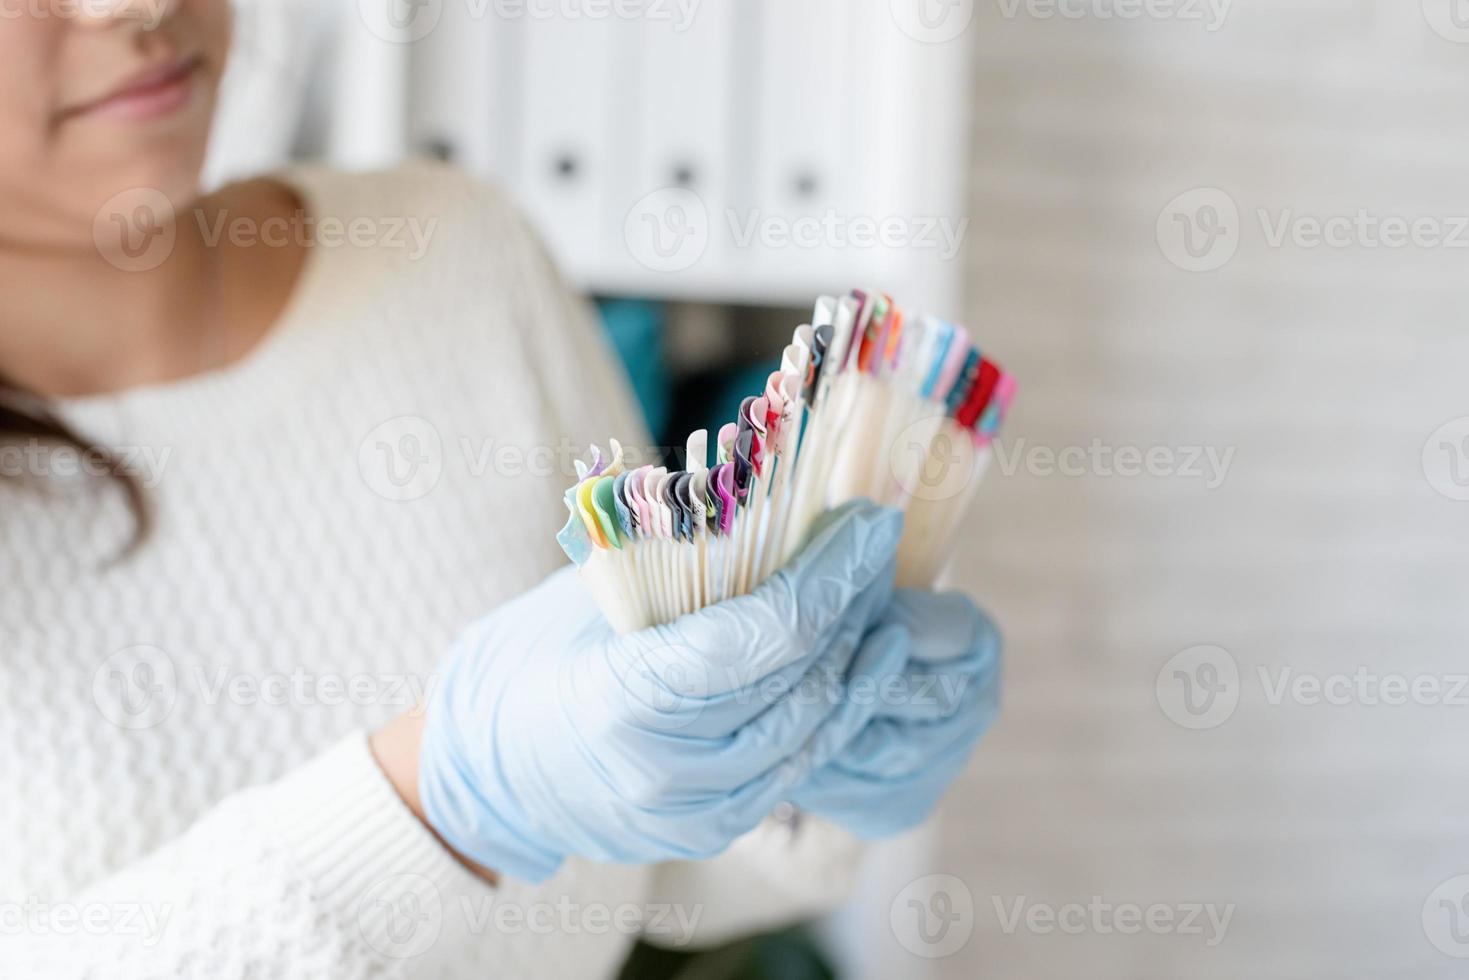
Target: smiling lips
(152, 94)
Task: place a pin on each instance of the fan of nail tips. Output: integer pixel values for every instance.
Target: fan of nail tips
(867, 402)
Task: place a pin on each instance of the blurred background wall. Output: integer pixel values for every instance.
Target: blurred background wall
(1334, 543)
(1223, 247)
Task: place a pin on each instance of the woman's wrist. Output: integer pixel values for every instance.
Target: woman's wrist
(396, 748)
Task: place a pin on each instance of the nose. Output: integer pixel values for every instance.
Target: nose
(108, 13)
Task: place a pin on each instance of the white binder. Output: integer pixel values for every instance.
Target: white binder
(684, 84)
(807, 130)
(455, 90)
(570, 106)
(370, 83)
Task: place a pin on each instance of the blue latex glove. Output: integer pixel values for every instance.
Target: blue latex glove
(927, 721)
(548, 735)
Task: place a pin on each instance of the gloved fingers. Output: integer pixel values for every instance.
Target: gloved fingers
(883, 651)
(891, 775)
(783, 717)
(673, 762)
(786, 617)
(512, 634)
(702, 826)
(902, 736)
(846, 634)
(892, 750)
(562, 594)
(922, 695)
(925, 694)
(712, 693)
(873, 807)
(947, 626)
(674, 689)
(955, 649)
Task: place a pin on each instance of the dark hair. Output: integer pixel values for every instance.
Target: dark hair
(25, 415)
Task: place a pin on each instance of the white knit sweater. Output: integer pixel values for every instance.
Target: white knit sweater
(187, 786)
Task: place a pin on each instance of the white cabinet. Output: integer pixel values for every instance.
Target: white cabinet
(760, 151)
(730, 150)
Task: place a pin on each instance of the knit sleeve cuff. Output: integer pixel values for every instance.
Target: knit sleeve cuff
(351, 835)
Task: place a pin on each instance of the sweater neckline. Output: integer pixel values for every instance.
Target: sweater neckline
(220, 397)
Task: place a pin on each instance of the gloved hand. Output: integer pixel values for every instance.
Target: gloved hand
(548, 735)
(927, 721)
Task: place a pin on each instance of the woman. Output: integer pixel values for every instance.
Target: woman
(265, 452)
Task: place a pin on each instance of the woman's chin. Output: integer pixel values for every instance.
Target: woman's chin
(117, 156)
